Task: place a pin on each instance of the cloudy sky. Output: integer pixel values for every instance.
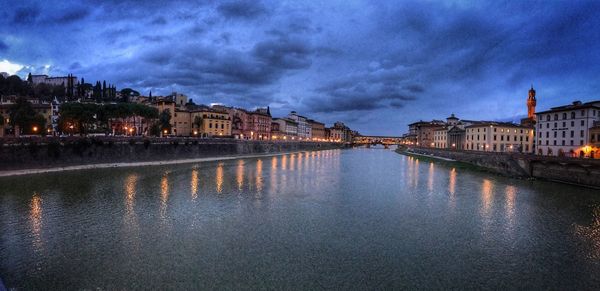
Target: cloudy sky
(377, 65)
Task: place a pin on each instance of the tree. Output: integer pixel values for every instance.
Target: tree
(23, 116)
(164, 121)
(127, 93)
(197, 121)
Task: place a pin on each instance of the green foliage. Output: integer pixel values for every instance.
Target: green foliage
(197, 121)
(24, 116)
(86, 116)
(165, 120)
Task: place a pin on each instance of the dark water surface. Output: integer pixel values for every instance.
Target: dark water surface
(344, 219)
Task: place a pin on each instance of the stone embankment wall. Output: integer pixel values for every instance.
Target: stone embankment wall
(58, 152)
(584, 172)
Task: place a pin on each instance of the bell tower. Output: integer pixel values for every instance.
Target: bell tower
(531, 102)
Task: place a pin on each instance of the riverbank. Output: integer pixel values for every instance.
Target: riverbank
(83, 153)
(581, 172)
(136, 164)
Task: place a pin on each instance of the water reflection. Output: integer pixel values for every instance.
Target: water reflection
(164, 195)
(510, 194)
(194, 183)
(219, 178)
(239, 175)
(452, 188)
(35, 220)
(430, 177)
(130, 187)
(259, 178)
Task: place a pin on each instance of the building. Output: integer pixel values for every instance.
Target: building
(43, 109)
(531, 103)
(499, 137)
(594, 146)
(259, 124)
(284, 128)
(317, 129)
(421, 133)
(70, 82)
(304, 129)
(440, 137)
(336, 134)
(566, 130)
(210, 122)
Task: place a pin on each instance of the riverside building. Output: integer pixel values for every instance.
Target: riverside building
(567, 130)
(499, 137)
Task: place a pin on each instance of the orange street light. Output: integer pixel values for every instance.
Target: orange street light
(35, 129)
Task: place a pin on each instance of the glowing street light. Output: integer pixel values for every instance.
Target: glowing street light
(35, 129)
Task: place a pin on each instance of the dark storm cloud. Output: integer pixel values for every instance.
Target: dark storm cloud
(26, 15)
(387, 60)
(242, 9)
(72, 15)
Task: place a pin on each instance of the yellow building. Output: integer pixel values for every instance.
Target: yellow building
(499, 137)
(208, 122)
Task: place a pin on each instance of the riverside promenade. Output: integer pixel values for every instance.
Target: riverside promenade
(41, 154)
(583, 172)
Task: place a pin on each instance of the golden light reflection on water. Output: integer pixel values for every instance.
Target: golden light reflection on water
(452, 187)
(284, 159)
(259, 177)
(219, 178)
(273, 179)
(590, 234)
(239, 174)
(194, 183)
(510, 194)
(430, 177)
(164, 195)
(130, 188)
(35, 219)
(292, 162)
(130, 218)
(486, 196)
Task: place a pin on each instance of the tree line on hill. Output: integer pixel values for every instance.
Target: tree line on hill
(98, 92)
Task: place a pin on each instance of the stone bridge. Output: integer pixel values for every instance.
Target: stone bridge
(375, 140)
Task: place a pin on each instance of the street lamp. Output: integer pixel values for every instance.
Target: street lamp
(35, 129)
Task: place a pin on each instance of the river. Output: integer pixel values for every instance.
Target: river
(343, 219)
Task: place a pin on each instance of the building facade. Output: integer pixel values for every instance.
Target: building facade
(317, 130)
(565, 130)
(286, 129)
(499, 137)
(304, 130)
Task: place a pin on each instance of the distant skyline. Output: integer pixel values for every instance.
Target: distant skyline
(376, 65)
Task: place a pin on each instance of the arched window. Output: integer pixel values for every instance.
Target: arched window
(572, 115)
(548, 117)
(564, 115)
(555, 116)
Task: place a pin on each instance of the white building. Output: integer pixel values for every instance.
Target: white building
(565, 130)
(304, 128)
(499, 137)
(287, 127)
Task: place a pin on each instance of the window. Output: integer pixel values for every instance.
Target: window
(555, 116)
(571, 142)
(563, 134)
(564, 124)
(572, 123)
(572, 115)
(547, 134)
(572, 133)
(581, 133)
(555, 125)
(555, 134)
(548, 117)
(583, 123)
(565, 115)
(582, 112)
(494, 137)
(563, 142)
(210, 125)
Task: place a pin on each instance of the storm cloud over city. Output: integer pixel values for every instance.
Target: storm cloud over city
(370, 63)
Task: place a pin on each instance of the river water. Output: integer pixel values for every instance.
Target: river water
(343, 219)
